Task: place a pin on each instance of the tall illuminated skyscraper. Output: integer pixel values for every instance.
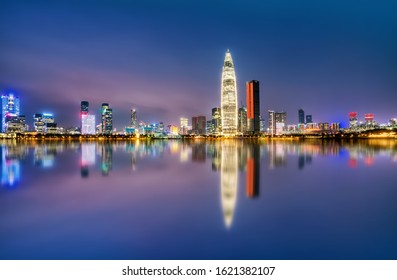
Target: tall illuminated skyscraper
(107, 118)
(9, 108)
(229, 97)
(88, 124)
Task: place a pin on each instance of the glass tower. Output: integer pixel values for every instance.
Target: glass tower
(229, 97)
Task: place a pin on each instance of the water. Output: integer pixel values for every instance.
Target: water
(199, 200)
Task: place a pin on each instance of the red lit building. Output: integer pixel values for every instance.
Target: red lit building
(253, 118)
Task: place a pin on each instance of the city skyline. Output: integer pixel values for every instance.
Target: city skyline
(312, 56)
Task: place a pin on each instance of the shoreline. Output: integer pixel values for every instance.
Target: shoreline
(20, 137)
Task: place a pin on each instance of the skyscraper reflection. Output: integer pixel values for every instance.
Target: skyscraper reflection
(106, 161)
(253, 171)
(87, 158)
(229, 178)
(10, 164)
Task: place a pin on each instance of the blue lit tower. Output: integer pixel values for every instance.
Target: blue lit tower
(10, 107)
(229, 97)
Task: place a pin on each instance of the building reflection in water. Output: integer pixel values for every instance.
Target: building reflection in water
(253, 171)
(106, 158)
(44, 155)
(10, 164)
(229, 179)
(87, 158)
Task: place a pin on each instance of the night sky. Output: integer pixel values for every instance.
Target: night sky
(165, 58)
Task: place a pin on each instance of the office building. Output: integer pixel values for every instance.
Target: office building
(199, 124)
(229, 97)
(271, 122)
(353, 119)
(84, 107)
(38, 123)
(301, 116)
(183, 126)
(133, 118)
(106, 119)
(88, 124)
(216, 120)
(253, 119)
(10, 108)
(309, 119)
(277, 122)
(242, 120)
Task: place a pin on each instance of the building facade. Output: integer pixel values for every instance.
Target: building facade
(253, 119)
(199, 125)
(229, 97)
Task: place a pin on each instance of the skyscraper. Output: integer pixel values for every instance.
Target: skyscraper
(107, 119)
(353, 119)
(9, 109)
(277, 122)
(84, 107)
(183, 126)
(216, 120)
(88, 124)
(38, 122)
(252, 89)
(309, 119)
(133, 118)
(272, 122)
(199, 125)
(301, 116)
(229, 97)
(242, 120)
(83, 113)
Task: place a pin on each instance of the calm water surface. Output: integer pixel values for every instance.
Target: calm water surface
(199, 200)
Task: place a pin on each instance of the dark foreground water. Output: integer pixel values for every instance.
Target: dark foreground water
(199, 200)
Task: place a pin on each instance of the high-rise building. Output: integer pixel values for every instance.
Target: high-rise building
(353, 119)
(48, 119)
(369, 120)
(272, 122)
(183, 126)
(301, 116)
(229, 97)
(199, 124)
(277, 122)
(84, 107)
(83, 112)
(242, 120)
(309, 119)
(253, 121)
(10, 108)
(88, 124)
(38, 123)
(133, 118)
(216, 120)
(262, 124)
(107, 119)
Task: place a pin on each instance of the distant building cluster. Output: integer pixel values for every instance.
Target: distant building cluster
(228, 119)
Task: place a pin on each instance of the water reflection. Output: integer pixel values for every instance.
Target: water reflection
(228, 158)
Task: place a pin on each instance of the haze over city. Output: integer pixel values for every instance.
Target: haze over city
(165, 58)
